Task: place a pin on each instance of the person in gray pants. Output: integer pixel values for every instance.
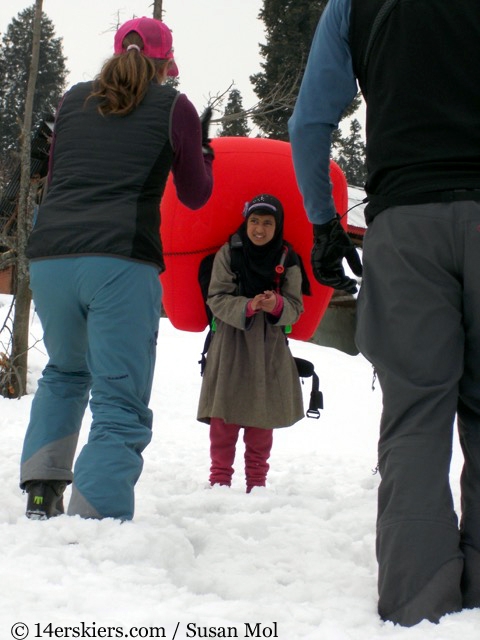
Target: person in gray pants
(419, 303)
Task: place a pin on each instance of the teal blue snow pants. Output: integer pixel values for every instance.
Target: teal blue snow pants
(100, 318)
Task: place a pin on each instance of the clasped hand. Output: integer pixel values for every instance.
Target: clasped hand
(266, 301)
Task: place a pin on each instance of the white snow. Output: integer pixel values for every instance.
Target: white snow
(293, 561)
(356, 207)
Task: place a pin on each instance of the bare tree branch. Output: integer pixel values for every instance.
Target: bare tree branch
(282, 96)
(7, 259)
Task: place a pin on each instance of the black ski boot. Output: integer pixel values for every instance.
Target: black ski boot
(45, 499)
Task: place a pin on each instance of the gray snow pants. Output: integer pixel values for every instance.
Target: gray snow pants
(419, 325)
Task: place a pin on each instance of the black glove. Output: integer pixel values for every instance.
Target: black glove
(330, 245)
(205, 123)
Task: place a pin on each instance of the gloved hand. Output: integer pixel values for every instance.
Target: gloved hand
(330, 245)
(205, 123)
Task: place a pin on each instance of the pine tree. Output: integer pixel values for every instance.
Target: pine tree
(350, 155)
(15, 56)
(231, 125)
(289, 27)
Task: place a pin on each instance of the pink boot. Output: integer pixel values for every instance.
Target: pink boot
(223, 439)
(258, 445)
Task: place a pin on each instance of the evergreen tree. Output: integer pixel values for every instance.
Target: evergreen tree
(15, 56)
(350, 155)
(173, 81)
(231, 125)
(289, 27)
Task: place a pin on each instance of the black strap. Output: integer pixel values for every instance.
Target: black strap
(316, 399)
(306, 369)
(236, 258)
(203, 357)
(380, 18)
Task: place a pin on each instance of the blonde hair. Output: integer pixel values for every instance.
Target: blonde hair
(124, 79)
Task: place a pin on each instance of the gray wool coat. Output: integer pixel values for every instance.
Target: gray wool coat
(250, 377)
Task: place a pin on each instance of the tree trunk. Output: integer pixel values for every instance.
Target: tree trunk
(21, 322)
(22, 293)
(158, 9)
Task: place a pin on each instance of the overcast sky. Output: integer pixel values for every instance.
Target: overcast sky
(216, 41)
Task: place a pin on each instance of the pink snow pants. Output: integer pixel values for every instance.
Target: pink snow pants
(223, 440)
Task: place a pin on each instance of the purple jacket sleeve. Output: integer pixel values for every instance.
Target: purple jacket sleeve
(192, 169)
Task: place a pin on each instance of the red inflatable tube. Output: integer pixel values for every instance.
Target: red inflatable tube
(243, 168)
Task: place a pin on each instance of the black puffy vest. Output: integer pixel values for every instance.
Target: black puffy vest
(108, 175)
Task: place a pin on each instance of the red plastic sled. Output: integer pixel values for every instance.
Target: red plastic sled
(243, 168)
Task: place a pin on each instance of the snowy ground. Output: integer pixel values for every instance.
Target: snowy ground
(294, 561)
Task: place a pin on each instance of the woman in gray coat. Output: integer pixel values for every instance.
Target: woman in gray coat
(251, 380)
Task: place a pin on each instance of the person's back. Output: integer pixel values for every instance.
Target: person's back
(96, 255)
(418, 311)
(108, 178)
(417, 67)
(115, 141)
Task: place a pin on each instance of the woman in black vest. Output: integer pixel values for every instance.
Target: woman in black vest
(96, 255)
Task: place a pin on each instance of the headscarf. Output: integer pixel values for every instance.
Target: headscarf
(258, 265)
